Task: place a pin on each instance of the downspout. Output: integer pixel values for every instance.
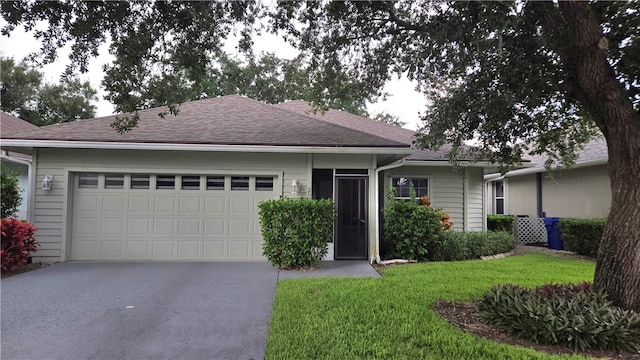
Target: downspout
(377, 187)
(539, 194)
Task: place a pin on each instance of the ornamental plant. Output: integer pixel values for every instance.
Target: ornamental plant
(17, 243)
(296, 231)
(570, 315)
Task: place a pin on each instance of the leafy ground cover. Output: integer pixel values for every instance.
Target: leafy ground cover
(393, 318)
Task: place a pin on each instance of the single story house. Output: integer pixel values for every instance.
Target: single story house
(186, 187)
(15, 161)
(582, 191)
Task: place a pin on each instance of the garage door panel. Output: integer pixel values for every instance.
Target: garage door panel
(214, 249)
(240, 205)
(138, 226)
(137, 249)
(111, 249)
(214, 227)
(112, 226)
(215, 205)
(164, 227)
(87, 249)
(113, 203)
(189, 249)
(184, 223)
(164, 204)
(240, 227)
(139, 203)
(189, 227)
(87, 202)
(86, 226)
(162, 249)
(190, 205)
(239, 249)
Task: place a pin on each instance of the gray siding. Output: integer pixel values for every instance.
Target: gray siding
(475, 206)
(50, 210)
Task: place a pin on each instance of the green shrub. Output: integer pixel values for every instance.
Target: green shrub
(454, 246)
(582, 236)
(296, 231)
(410, 230)
(10, 190)
(572, 316)
(500, 223)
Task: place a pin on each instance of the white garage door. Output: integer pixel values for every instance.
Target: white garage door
(168, 217)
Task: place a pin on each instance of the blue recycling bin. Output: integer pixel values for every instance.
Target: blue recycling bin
(554, 240)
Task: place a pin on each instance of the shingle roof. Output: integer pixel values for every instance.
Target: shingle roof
(352, 121)
(595, 149)
(227, 120)
(370, 126)
(11, 124)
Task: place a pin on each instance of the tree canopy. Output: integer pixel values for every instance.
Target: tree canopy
(513, 76)
(24, 94)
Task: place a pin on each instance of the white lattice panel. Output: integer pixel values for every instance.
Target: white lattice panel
(531, 230)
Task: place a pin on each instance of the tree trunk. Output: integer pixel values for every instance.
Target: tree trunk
(592, 81)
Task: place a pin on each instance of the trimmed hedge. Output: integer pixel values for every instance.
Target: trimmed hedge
(570, 315)
(296, 231)
(500, 223)
(456, 246)
(582, 236)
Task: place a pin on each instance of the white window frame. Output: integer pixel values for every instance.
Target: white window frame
(495, 197)
(417, 177)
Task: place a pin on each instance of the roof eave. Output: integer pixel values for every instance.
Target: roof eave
(539, 169)
(30, 144)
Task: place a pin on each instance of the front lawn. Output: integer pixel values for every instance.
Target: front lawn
(391, 317)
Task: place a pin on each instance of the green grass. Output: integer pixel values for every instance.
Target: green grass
(391, 317)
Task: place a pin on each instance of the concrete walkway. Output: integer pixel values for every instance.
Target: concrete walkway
(338, 268)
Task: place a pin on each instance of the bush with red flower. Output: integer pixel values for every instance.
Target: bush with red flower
(17, 243)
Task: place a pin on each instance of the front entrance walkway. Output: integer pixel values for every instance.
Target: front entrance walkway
(338, 268)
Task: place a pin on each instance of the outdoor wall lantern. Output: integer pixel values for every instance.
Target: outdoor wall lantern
(294, 186)
(46, 182)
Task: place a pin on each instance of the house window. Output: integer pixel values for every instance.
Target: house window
(215, 182)
(114, 181)
(240, 183)
(88, 181)
(139, 181)
(264, 183)
(191, 183)
(402, 185)
(165, 182)
(498, 195)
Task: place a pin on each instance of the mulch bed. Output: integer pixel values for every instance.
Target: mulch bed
(465, 317)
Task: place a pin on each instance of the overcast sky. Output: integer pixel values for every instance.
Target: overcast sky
(403, 101)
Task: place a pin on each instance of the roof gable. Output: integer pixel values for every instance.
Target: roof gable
(10, 124)
(227, 120)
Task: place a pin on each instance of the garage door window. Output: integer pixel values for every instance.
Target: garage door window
(215, 182)
(264, 183)
(139, 182)
(240, 183)
(191, 183)
(88, 181)
(114, 181)
(165, 182)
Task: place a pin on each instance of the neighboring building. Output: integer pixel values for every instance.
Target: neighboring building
(17, 162)
(582, 191)
(186, 187)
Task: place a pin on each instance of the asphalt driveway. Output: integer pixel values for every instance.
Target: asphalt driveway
(138, 311)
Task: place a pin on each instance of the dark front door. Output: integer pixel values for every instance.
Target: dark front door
(352, 227)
